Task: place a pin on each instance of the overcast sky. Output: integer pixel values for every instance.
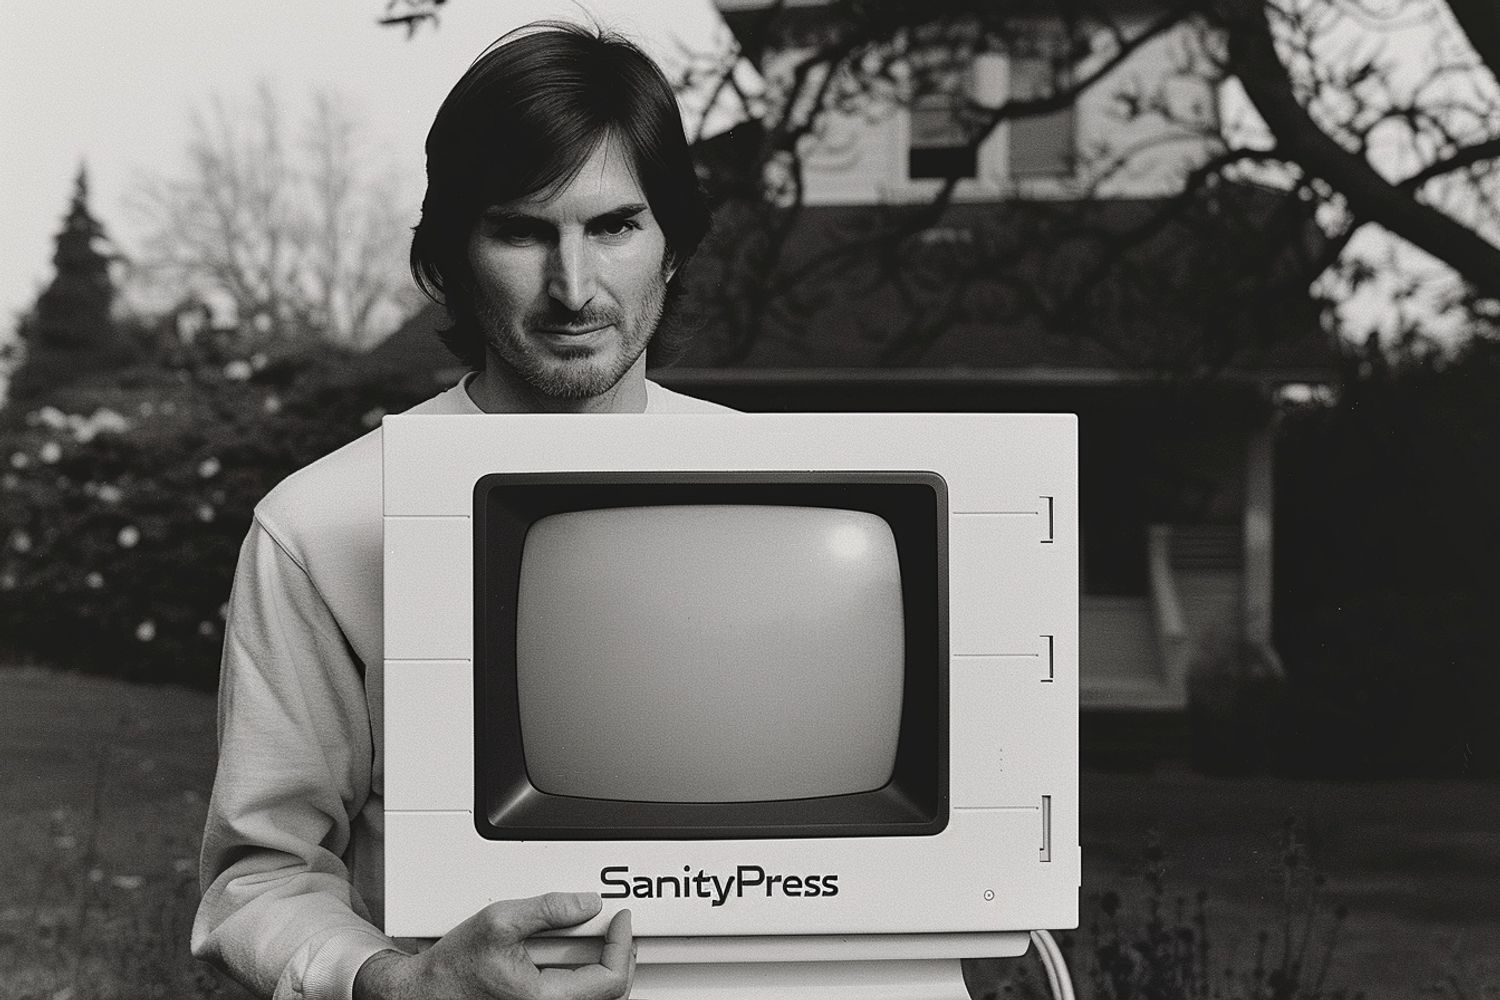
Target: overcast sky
(112, 84)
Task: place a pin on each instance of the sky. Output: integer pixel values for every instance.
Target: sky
(113, 85)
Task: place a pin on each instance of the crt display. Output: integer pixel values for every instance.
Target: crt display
(723, 655)
(710, 652)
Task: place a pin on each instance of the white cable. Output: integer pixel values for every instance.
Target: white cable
(1056, 966)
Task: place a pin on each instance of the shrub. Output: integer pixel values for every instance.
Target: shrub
(123, 519)
(1386, 583)
(1235, 704)
(1162, 947)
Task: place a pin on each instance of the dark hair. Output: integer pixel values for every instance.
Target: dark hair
(524, 118)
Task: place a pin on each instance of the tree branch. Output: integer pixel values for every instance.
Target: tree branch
(1253, 59)
(1466, 157)
(1480, 21)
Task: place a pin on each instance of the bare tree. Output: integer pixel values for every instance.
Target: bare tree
(1387, 116)
(355, 255)
(924, 263)
(1378, 120)
(297, 234)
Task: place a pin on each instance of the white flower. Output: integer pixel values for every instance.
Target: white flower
(49, 416)
(258, 360)
(19, 460)
(238, 371)
(95, 580)
(10, 480)
(129, 883)
(224, 611)
(168, 407)
(129, 536)
(110, 493)
(20, 541)
(105, 419)
(206, 629)
(209, 467)
(7, 581)
(206, 513)
(146, 630)
(372, 417)
(272, 405)
(51, 453)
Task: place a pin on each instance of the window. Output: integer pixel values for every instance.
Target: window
(943, 120)
(1040, 145)
(939, 146)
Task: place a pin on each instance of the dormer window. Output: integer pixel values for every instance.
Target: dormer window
(943, 119)
(940, 147)
(1041, 145)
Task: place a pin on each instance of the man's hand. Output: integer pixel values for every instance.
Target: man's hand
(483, 958)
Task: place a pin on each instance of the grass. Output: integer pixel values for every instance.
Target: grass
(1416, 863)
(104, 787)
(102, 799)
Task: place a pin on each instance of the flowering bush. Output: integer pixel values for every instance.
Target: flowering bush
(122, 522)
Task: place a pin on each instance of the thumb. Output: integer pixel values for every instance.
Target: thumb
(519, 919)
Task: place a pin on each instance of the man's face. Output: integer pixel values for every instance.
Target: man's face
(570, 283)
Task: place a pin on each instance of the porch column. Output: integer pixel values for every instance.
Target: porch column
(1258, 531)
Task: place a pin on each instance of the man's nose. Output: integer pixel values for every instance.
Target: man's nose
(571, 281)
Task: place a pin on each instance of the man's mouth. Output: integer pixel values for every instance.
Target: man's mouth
(572, 331)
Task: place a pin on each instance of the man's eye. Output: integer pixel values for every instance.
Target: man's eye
(616, 227)
(512, 231)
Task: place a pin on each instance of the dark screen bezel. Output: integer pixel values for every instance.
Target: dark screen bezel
(507, 806)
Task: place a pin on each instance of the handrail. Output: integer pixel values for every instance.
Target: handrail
(1171, 623)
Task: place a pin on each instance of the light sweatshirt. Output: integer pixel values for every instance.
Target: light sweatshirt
(292, 866)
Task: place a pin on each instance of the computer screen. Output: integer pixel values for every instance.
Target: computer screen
(710, 653)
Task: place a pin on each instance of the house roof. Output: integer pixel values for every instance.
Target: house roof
(1057, 292)
(760, 26)
(1179, 305)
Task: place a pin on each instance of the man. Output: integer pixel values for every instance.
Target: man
(561, 203)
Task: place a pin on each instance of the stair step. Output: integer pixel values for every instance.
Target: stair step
(1117, 640)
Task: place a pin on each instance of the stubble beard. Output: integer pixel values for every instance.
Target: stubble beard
(571, 373)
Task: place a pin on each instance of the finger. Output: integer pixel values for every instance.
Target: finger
(610, 979)
(518, 919)
(619, 944)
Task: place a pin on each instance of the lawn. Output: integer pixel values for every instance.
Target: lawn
(104, 787)
(1416, 864)
(102, 797)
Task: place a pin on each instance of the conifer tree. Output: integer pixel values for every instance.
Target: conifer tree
(70, 331)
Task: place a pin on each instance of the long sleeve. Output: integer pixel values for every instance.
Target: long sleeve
(281, 911)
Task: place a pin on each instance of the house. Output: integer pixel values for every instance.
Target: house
(1054, 273)
(929, 265)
